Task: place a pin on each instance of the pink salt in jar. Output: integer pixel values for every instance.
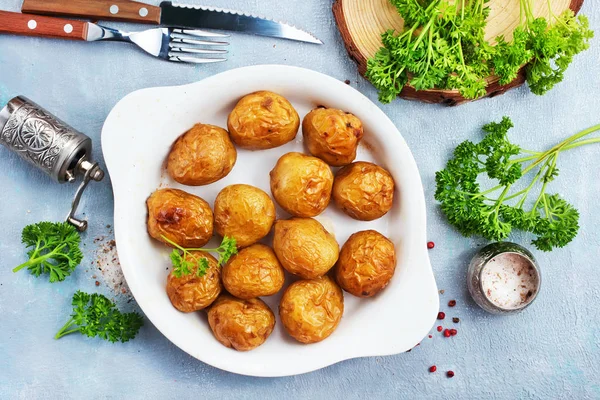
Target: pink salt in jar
(504, 278)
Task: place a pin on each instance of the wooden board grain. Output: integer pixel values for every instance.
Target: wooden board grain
(361, 23)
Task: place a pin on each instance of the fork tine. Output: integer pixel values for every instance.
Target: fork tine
(192, 50)
(200, 42)
(195, 60)
(199, 33)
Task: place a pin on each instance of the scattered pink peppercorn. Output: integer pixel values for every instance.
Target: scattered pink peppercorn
(430, 336)
(451, 303)
(439, 328)
(447, 333)
(450, 374)
(430, 245)
(453, 332)
(456, 320)
(441, 315)
(433, 368)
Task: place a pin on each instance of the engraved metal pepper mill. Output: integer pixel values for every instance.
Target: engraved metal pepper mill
(51, 145)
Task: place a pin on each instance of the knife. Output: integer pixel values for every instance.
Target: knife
(169, 14)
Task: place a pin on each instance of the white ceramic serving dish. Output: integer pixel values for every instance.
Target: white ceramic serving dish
(136, 139)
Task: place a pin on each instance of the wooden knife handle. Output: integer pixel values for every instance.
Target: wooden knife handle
(37, 25)
(116, 10)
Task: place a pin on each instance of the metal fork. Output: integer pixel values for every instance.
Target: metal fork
(179, 45)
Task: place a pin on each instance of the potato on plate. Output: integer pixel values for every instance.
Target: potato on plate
(245, 213)
(179, 216)
(363, 190)
(253, 272)
(304, 247)
(202, 155)
(191, 292)
(263, 120)
(301, 184)
(311, 310)
(367, 263)
(240, 324)
(332, 135)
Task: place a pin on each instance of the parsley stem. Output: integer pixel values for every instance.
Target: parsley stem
(581, 143)
(39, 259)
(423, 32)
(501, 198)
(560, 147)
(190, 249)
(526, 190)
(488, 191)
(549, 165)
(63, 331)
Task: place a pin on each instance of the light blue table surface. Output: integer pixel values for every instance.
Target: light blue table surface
(549, 351)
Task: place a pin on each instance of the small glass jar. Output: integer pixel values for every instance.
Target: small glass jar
(487, 286)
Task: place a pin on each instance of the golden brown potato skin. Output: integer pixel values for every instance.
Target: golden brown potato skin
(332, 135)
(202, 155)
(253, 272)
(181, 217)
(245, 213)
(363, 190)
(192, 293)
(311, 310)
(304, 247)
(301, 184)
(263, 120)
(240, 324)
(367, 263)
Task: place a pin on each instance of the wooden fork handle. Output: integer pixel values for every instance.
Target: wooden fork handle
(37, 25)
(116, 10)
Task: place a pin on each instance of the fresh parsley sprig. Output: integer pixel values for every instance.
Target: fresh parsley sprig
(54, 249)
(185, 263)
(443, 46)
(95, 315)
(546, 45)
(494, 212)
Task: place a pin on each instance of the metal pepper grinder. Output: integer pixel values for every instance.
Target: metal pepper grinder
(51, 145)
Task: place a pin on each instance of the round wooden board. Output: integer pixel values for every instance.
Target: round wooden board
(361, 23)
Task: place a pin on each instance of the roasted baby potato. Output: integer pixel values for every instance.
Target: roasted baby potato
(367, 263)
(263, 120)
(181, 217)
(245, 213)
(311, 310)
(202, 155)
(304, 247)
(301, 184)
(253, 272)
(240, 324)
(190, 293)
(363, 190)
(332, 135)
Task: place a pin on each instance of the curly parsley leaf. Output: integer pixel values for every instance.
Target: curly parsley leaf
(53, 249)
(495, 212)
(554, 48)
(95, 315)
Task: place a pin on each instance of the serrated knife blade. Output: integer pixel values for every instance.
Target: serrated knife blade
(202, 17)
